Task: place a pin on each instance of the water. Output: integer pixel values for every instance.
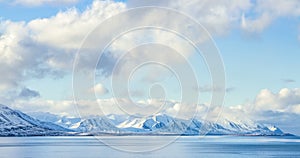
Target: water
(209, 146)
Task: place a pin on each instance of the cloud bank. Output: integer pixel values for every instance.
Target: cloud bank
(281, 109)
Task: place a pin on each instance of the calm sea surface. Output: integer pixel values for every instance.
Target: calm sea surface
(148, 146)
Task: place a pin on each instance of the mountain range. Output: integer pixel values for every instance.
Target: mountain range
(17, 123)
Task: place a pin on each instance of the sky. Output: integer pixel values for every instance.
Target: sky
(49, 58)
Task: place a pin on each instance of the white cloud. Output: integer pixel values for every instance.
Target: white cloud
(281, 109)
(66, 30)
(46, 47)
(264, 12)
(56, 107)
(44, 2)
(20, 56)
(99, 89)
(256, 25)
(109, 106)
(268, 107)
(286, 100)
(68, 107)
(217, 16)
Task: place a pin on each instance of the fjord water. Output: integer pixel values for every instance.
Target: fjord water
(187, 146)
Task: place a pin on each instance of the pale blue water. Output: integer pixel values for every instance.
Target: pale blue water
(90, 147)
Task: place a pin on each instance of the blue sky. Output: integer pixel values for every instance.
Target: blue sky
(259, 42)
(264, 60)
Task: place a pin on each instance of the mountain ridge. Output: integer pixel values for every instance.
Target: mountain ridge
(162, 124)
(17, 123)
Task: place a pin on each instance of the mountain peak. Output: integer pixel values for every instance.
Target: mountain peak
(16, 123)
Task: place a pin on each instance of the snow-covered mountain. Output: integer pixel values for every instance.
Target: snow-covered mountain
(63, 121)
(164, 124)
(16, 123)
(161, 124)
(250, 127)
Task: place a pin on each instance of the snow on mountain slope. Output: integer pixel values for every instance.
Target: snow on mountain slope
(160, 124)
(97, 124)
(64, 121)
(117, 119)
(247, 126)
(131, 122)
(16, 123)
(164, 124)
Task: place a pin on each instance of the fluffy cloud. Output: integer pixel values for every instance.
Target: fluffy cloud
(281, 109)
(66, 107)
(257, 24)
(46, 47)
(264, 12)
(268, 106)
(66, 30)
(44, 2)
(99, 89)
(286, 100)
(20, 57)
(217, 16)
